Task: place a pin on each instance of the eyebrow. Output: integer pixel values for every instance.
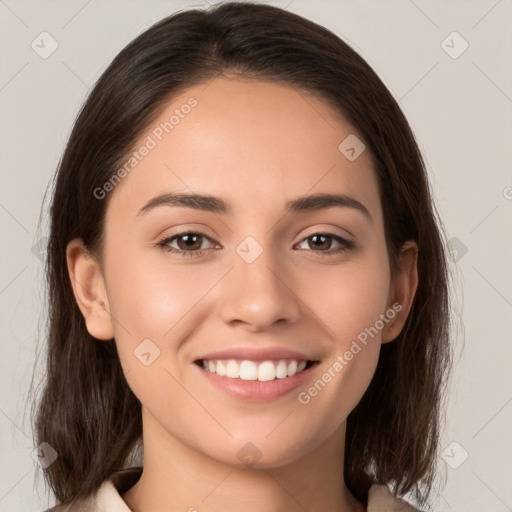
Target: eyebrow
(217, 205)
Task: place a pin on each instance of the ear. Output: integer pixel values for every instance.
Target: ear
(403, 288)
(89, 289)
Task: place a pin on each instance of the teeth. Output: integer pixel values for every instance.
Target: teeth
(301, 366)
(250, 370)
(281, 370)
(220, 368)
(232, 370)
(266, 371)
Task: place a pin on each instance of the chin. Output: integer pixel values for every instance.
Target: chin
(259, 454)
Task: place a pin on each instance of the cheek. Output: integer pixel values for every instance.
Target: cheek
(351, 311)
(352, 298)
(153, 300)
(350, 304)
(151, 296)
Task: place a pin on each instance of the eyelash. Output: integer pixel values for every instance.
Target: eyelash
(163, 243)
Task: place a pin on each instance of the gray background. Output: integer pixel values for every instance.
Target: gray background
(460, 110)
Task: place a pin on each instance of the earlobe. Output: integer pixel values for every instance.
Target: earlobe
(89, 290)
(404, 283)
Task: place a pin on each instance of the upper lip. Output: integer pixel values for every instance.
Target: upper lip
(257, 354)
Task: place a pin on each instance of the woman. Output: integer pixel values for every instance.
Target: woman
(247, 279)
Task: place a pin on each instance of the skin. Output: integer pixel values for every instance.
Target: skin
(256, 145)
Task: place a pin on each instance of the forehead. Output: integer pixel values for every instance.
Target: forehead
(241, 138)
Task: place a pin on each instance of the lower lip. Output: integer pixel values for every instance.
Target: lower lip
(255, 390)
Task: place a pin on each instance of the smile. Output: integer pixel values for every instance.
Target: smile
(255, 370)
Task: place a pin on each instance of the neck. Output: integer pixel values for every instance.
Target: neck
(178, 478)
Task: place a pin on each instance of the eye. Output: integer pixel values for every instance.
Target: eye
(189, 243)
(323, 241)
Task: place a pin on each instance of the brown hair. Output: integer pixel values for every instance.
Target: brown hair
(87, 412)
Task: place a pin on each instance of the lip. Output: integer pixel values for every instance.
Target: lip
(257, 354)
(255, 390)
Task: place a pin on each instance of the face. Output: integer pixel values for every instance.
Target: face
(253, 284)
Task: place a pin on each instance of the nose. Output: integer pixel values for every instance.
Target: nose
(258, 294)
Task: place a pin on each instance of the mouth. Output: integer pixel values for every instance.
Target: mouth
(262, 371)
(256, 374)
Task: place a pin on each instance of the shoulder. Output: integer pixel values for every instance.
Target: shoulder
(380, 499)
(83, 506)
(108, 496)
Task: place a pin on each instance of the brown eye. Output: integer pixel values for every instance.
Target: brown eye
(187, 244)
(189, 241)
(322, 242)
